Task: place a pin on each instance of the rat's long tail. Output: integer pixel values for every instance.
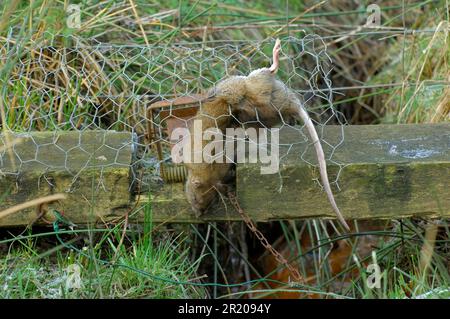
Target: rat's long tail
(322, 163)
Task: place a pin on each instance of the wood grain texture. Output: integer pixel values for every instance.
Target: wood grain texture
(91, 167)
(387, 171)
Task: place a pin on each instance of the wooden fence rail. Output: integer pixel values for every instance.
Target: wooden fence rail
(385, 171)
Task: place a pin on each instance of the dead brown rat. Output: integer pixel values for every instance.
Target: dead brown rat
(206, 182)
(261, 99)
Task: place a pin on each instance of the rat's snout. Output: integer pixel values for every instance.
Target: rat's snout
(200, 205)
(197, 209)
(201, 211)
(200, 195)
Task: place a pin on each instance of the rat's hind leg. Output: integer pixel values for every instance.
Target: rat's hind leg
(276, 56)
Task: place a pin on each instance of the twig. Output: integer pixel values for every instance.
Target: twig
(31, 203)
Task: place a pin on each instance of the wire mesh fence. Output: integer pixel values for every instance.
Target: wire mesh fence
(69, 83)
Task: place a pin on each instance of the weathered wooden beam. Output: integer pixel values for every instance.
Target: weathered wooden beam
(388, 171)
(91, 167)
(391, 171)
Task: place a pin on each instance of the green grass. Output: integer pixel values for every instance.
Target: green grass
(29, 271)
(23, 274)
(138, 267)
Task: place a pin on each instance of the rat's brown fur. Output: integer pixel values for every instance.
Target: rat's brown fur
(258, 98)
(247, 100)
(261, 98)
(205, 181)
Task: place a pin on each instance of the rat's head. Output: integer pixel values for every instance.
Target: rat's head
(204, 184)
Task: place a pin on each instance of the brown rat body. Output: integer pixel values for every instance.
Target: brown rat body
(258, 99)
(207, 181)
